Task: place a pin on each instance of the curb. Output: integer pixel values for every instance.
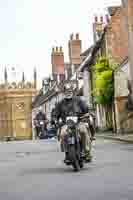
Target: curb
(116, 139)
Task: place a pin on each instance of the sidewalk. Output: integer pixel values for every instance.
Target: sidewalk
(109, 135)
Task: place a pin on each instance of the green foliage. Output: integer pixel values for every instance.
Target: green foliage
(102, 65)
(103, 82)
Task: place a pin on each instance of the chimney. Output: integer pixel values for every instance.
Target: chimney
(97, 28)
(57, 60)
(74, 46)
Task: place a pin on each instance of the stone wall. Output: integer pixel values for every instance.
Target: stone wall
(121, 77)
(16, 113)
(123, 124)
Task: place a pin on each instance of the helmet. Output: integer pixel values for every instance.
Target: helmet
(40, 109)
(70, 86)
(68, 90)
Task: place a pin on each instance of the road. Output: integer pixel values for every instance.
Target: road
(35, 171)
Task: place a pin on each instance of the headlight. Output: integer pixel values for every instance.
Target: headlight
(91, 119)
(60, 120)
(73, 118)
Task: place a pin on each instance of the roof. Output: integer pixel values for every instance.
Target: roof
(86, 52)
(42, 98)
(89, 60)
(113, 9)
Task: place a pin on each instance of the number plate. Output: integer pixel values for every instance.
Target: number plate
(71, 140)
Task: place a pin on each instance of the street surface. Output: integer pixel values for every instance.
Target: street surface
(35, 171)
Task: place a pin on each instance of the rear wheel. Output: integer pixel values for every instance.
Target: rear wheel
(73, 158)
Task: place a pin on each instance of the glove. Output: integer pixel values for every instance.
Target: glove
(93, 138)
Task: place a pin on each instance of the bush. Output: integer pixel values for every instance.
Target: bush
(103, 82)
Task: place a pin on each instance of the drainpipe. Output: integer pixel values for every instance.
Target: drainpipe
(114, 111)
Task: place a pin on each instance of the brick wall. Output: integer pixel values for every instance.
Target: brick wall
(123, 33)
(130, 13)
(130, 31)
(119, 35)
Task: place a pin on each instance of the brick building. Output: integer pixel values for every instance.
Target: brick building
(124, 71)
(115, 47)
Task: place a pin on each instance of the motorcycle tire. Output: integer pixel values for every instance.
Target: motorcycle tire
(73, 158)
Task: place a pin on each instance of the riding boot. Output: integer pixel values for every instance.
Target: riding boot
(88, 157)
(67, 160)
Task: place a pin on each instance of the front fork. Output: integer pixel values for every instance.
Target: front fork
(76, 143)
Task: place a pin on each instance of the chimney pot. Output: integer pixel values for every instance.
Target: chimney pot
(77, 36)
(71, 36)
(96, 19)
(101, 19)
(60, 49)
(56, 49)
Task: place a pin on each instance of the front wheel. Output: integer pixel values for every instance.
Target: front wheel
(73, 158)
(81, 164)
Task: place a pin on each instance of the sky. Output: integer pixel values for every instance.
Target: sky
(30, 28)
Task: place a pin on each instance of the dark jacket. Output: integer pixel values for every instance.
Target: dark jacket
(40, 116)
(69, 107)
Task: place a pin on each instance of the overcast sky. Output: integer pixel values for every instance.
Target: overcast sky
(29, 29)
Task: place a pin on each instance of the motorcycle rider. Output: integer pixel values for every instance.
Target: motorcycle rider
(40, 117)
(73, 105)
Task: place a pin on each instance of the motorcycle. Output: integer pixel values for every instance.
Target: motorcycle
(42, 133)
(72, 144)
